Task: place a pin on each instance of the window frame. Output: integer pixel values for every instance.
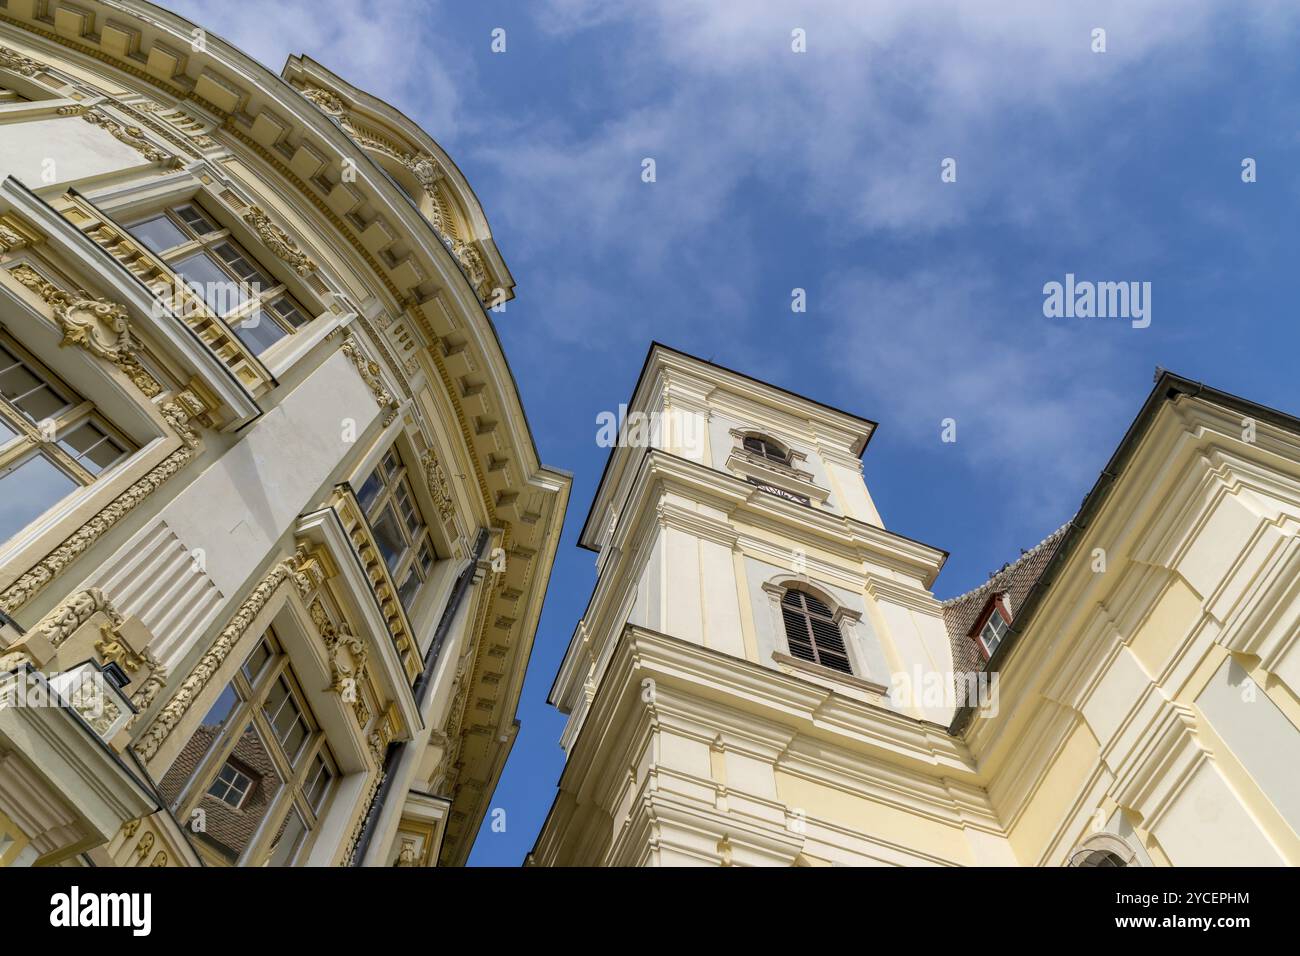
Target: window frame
(29, 441)
(263, 299)
(391, 483)
(297, 774)
(768, 446)
(996, 608)
(808, 614)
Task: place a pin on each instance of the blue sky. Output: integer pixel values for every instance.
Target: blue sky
(821, 170)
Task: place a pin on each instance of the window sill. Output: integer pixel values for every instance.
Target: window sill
(301, 342)
(827, 673)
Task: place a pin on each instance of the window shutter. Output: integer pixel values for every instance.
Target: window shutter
(812, 633)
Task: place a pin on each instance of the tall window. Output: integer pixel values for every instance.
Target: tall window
(994, 630)
(257, 767)
(51, 440)
(223, 275)
(399, 530)
(812, 633)
(766, 448)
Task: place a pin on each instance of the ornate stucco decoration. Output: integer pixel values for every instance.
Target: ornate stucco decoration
(299, 569)
(279, 241)
(428, 172)
(327, 101)
(369, 371)
(97, 325)
(337, 640)
(472, 263)
(177, 413)
(60, 624)
(15, 61)
(132, 136)
(439, 486)
(11, 239)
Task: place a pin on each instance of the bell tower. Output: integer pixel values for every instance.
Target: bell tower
(748, 596)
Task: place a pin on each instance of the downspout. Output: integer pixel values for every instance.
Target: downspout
(421, 690)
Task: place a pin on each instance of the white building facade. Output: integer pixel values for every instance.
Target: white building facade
(763, 675)
(271, 517)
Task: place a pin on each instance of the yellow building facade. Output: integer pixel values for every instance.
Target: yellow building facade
(763, 675)
(274, 534)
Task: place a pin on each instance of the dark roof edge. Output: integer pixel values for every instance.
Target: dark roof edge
(1168, 387)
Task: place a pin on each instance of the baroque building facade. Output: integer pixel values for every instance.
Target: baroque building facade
(763, 675)
(272, 522)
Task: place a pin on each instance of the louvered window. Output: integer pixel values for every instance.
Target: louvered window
(812, 633)
(767, 448)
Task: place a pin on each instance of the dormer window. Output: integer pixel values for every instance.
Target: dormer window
(994, 629)
(767, 448)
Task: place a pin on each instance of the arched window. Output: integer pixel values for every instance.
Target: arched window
(767, 448)
(1103, 849)
(811, 631)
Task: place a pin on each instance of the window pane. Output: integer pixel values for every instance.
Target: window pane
(388, 535)
(289, 311)
(243, 267)
(370, 491)
(195, 220)
(32, 395)
(290, 839)
(406, 591)
(229, 831)
(256, 661)
(318, 783)
(91, 448)
(158, 234)
(201, 741)
(258, 332)
(211, 283)
(7, 434)
(286, 720)
(28, 491)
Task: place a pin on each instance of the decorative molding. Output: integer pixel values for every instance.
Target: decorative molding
(132, 136)
(338, 639)
(428, 172)
(295, 569)
(369, 372)
(97, 325)
(60, 624)
(17, 62)
(12, 236)
(325, 100)
(279, 241)
(439, 485)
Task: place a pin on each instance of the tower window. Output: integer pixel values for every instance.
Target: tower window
(1103, 858)
(766, 448)
(812, 633)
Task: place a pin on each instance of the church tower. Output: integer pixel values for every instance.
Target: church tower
(750, 611)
